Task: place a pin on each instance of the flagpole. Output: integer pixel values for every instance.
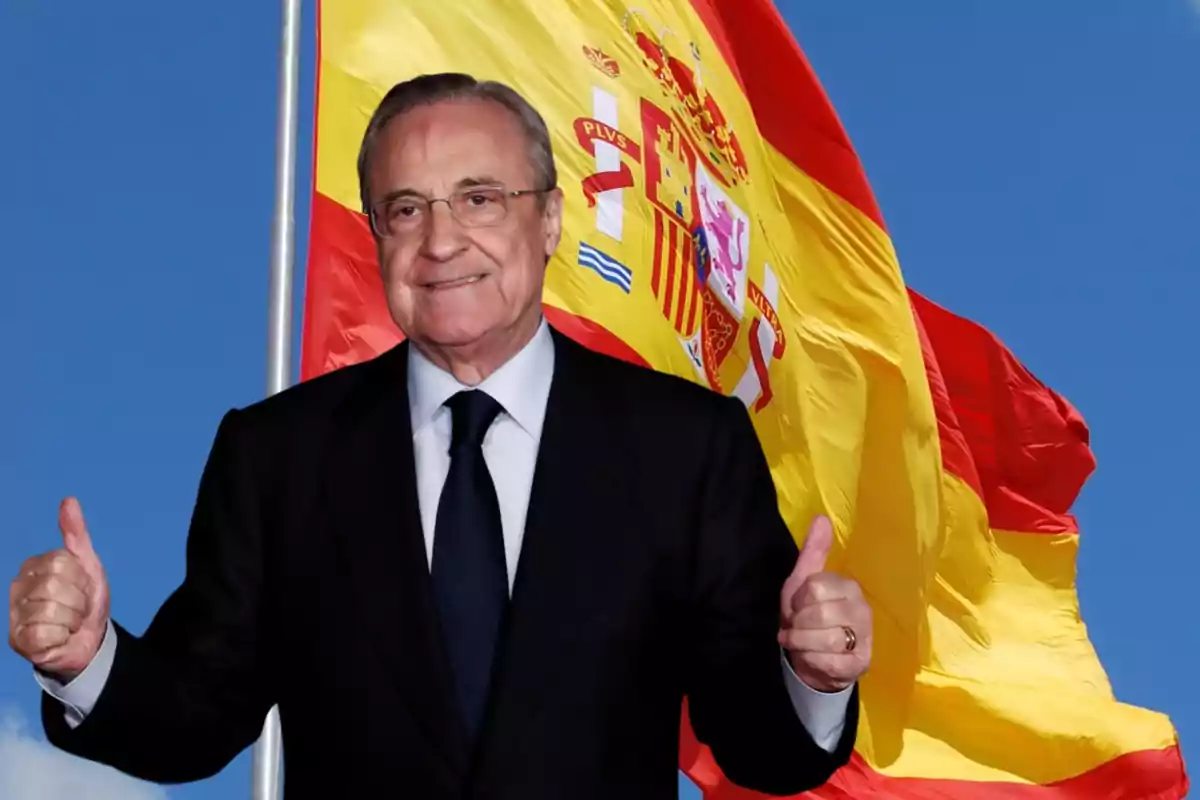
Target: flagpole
(268, 749)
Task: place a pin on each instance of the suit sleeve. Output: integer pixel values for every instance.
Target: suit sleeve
(738, 697)
(188, 695)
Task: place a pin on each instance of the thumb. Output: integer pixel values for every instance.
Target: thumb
(815, 551)
(813, 555)
(75, 535)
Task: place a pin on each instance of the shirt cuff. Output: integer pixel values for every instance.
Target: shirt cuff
(823, 714)
(79, 696)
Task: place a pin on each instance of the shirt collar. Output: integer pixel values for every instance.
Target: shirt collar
(521, 385)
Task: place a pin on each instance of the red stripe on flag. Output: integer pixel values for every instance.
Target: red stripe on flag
(656, 277)
(956, 453)
(1140, 775)
(669, 291)
(1027, 445)
(346, 318)
(687, 280)
(760, 367)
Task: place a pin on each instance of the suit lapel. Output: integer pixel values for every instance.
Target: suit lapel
(377, 526)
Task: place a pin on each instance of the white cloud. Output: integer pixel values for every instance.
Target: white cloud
(32, 769)
(1194, 5)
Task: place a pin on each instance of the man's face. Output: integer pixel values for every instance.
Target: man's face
(449, 284)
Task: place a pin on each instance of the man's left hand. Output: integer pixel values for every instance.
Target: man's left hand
(826, 624)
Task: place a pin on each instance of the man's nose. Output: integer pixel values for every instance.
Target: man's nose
(443, 235)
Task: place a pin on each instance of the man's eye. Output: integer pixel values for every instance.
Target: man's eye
(481, 198)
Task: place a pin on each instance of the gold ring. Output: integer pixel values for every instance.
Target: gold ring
(851, 639)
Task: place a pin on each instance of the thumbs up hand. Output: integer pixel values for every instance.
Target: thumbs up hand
(58, 604)
(826, 624)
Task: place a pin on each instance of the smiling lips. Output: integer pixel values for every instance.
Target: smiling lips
(456, 283)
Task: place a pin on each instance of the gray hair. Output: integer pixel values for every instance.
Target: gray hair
(429, 89)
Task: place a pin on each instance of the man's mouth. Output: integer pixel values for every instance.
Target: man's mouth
(456, 283)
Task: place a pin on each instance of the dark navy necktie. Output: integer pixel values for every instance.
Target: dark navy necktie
(470, 578)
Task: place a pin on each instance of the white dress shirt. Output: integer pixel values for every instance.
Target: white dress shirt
(522, 387)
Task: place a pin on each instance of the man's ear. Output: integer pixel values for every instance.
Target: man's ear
(552, 220)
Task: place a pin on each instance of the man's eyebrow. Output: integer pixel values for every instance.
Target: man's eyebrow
(396, 194)
(478, 180)
(463, 183)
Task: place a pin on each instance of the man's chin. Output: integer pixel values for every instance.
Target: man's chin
(451, 336)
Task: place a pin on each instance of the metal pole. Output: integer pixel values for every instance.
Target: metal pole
(268, 749)
(283, 224)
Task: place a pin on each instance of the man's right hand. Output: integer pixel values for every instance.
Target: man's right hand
(58, 604)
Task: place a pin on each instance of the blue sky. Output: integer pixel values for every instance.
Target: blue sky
(1037, 169)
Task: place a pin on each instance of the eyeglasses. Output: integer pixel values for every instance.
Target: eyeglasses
(471, 207)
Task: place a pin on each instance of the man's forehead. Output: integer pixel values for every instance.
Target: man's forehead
(455, 115)
(454, 142)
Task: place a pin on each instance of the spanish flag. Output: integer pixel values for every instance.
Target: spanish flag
(719, 227)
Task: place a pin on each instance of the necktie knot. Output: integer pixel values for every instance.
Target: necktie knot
(472, 413)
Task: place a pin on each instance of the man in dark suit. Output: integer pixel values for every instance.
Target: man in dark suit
(489, 563)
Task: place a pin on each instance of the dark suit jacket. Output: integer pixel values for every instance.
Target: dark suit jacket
(651, 568)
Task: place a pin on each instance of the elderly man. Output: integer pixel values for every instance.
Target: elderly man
(489, 563)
